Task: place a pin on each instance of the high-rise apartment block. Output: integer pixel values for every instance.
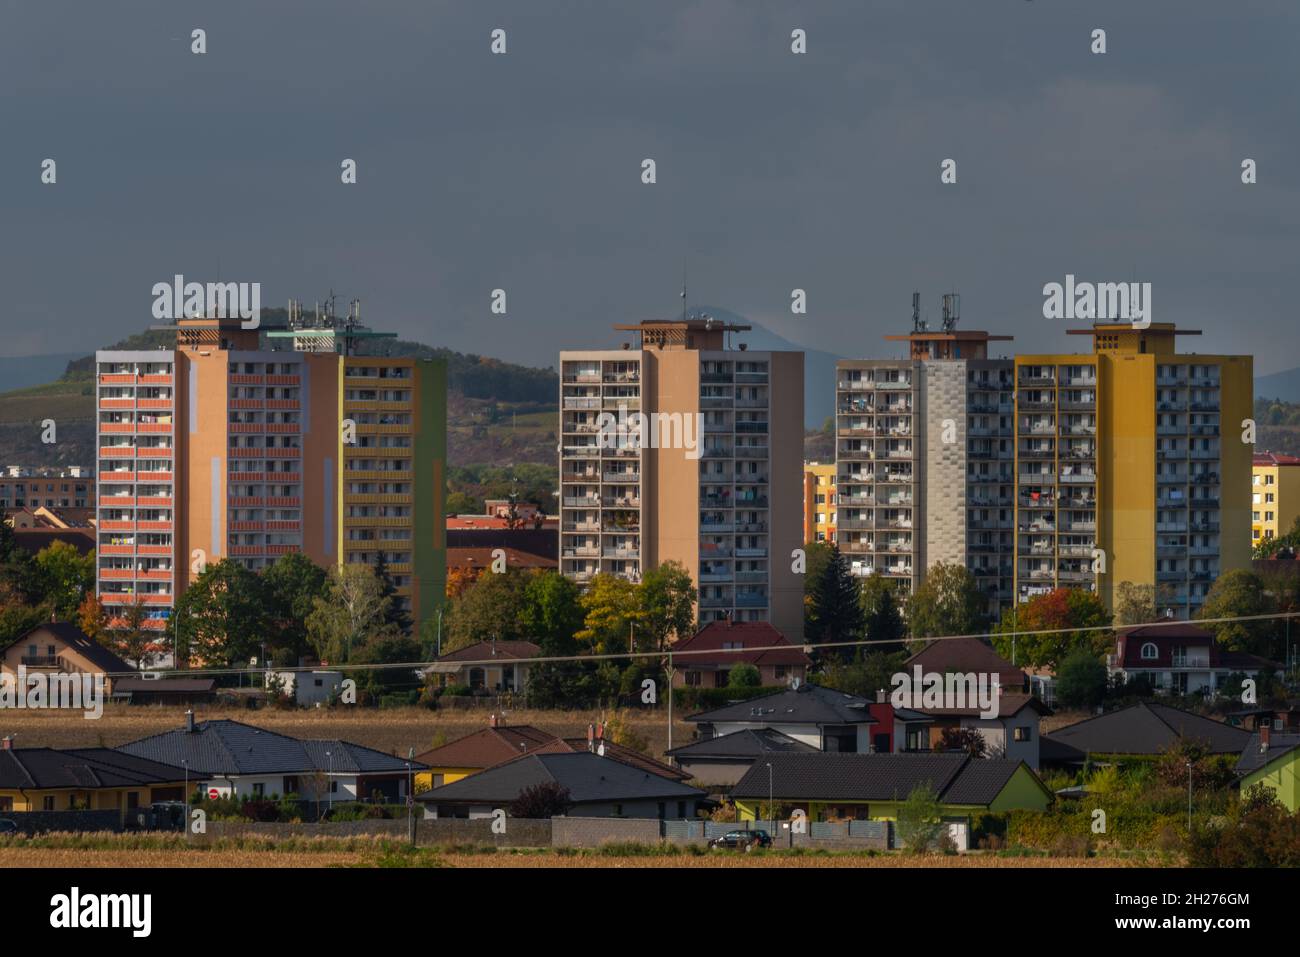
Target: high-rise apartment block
(1131, 467)
(712, 481)
(220, 448)
(924, 459)
(819, 502)
(1274, 495)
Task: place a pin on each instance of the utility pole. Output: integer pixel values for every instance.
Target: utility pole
(669, 672)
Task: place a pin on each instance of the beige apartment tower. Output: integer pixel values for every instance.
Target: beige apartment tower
(715, 485)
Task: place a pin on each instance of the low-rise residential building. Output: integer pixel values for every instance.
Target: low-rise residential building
(1272, 760)
(819, 717)
(872, 787)
(1145, 729)
(724, 760)
(597, 786)
(45, 779)
(1179, 659)
(706, 658)
(240, 760)
(60, 647)
(486, 666)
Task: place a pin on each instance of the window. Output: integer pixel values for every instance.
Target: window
(48, 802)
(692, 679)
(1149, 652)
(259, 790)
(1023, 733)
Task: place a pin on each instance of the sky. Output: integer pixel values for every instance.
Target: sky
(775, 171)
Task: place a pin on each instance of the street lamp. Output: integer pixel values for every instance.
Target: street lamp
(1189, 798)
(410, 796)
(329, 778)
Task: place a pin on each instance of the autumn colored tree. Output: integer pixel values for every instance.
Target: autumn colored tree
(92, 616)
(1043, 631)
(611, 610)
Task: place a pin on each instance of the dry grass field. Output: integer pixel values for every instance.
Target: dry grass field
(390, 730)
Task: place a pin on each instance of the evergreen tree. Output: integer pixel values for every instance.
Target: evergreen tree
(833, 613)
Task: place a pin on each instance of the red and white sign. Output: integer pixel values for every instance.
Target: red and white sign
(213, 794)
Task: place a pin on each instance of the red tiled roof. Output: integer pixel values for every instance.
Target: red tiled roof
(461, 557)
(1275, 458)
(747, 634)
(486, 650)
(488, 747)
(966, 655)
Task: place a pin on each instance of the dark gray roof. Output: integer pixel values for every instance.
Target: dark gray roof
(808, 704)
(78, 641)
(1252, 758)
(835, 776)
(231, 747)
(1148, 728)
(82, 768)
(588, 777)
(749, 743)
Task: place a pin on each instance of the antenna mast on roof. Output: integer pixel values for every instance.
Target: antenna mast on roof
(916, 312)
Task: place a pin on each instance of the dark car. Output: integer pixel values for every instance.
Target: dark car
(745, 839)
(7, 826)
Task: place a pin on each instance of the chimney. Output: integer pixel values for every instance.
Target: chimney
(880, 696)
(189, 722)
(600, 731)
(492, 720)
(1265, 732)
(7, 744)
(591, 737)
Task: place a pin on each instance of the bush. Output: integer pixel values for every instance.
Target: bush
(1260, 832)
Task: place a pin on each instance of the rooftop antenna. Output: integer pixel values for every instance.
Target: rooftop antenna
(951, 308)
(916, 312)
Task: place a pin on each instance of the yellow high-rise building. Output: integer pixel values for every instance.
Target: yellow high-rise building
(1130, 466)
(1274, 495)
(819, 502)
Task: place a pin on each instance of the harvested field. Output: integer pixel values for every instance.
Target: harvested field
(390, 730)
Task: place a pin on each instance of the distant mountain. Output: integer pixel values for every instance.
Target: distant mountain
(1279, 385)
(19, 372)
(818, 366)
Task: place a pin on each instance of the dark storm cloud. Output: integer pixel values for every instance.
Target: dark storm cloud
(775, 171)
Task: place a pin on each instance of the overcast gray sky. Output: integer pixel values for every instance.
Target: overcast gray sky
(775, 171)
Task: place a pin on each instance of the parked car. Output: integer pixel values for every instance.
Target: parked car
(745, 839)
(7, 826)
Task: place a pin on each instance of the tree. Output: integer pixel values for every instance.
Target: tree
(882, 616)
(130, 639)
(963, 739)
(611, 609)
(64, 577)
(222, 615)
(290, 587)
(667, 597)
(864, 674)
(920, 819)
(1235, 594)
(352, 611)
(490, 608)
(947, 602)
(743, 675)
(1081, 680)
(552, 613)
(1073, 618)
(1135, 604)
(541, 801)
(388, 646)
(92, 616)
(832, 613)
(395, 612)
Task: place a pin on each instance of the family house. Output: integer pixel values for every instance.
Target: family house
(243, 761)
(819, 717)
(706, 658)
(1179, 659)
(60, 647)
(1143, 729)
(724, 760)
(598, 787)
(872, 787)
(486, 666)
(499, 743)
(45, 779)
(1272, 760)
